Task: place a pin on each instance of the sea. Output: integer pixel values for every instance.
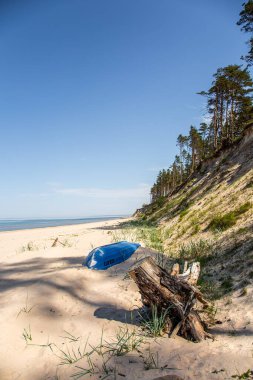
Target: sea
(25, 224)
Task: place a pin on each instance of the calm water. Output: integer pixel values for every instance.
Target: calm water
(24, 224)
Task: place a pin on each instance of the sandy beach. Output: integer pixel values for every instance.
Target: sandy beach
(47, 296)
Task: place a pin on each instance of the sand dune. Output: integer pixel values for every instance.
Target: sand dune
(47, 293)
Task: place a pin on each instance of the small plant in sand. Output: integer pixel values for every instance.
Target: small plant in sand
(67, 244)
(244, 292)
(103, 369)
(154, 321)
(244, 376)
(124, 342)
(26, 309)
(29, 247)
(92, 369)
(99, 359)
(211, 312)
(70, 337)
(151, 360)
(71, 356)
(27, 335)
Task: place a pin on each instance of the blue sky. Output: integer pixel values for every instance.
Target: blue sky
(94, 93)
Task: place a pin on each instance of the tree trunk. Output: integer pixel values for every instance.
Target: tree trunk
(170, 292)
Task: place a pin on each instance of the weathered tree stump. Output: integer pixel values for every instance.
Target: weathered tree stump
(173, 293)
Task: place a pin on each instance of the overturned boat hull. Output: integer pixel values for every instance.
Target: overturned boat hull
(106, 256)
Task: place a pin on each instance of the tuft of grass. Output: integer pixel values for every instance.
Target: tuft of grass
(244, 292)
(154, 322)
(210, 289)
(70, 337)
(196, 229)
(124, 342)
(71, 356)
(29, 247)
(250, 275)
(151, 360)
(227, 284)
(243, 208)
(151, 236)
(26, 309)
(242, 230)
(223, 222)
(27, 335)
(200, 250)
(244, 376)
(249, 185)
(183, 213)
(211, 311)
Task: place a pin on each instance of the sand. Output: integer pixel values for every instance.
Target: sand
(48, 293)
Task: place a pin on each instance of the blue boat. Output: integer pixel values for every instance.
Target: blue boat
(106, 256)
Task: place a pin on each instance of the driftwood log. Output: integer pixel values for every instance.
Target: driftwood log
(173, 292)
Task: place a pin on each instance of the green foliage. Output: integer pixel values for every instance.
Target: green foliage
(126, 340)
(249, 184)
(223, 222)
(243, 208)
(160, 201)
(27, 335)
(200, 250)
(146, 232)
(246, 23)
(196, 229)
(227, 284)
(244, 376)
(242, 230)
(71, 355)
(250, 275)
(183, 213)
(244, 292)
(210, 289)
(154, 322)
(229, 94)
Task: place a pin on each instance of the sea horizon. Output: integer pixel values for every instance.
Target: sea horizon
(15, 224)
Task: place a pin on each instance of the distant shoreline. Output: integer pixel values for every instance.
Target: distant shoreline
(9, 225)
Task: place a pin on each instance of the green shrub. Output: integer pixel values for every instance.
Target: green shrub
(243, 208)
(196, 229)
(183, 213)
(223, 222)
(160, 201)
(200, 250)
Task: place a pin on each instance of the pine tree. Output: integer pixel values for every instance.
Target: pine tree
(246, 23)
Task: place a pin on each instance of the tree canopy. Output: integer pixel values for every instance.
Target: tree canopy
(246, 23)
(229, 108)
